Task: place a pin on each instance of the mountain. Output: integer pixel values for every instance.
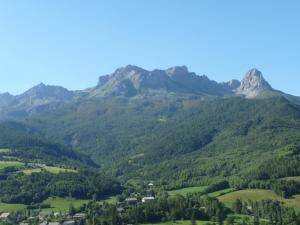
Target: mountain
(135, 82)
(39, 98)
(170, 127)
(140, 123)
(253, 84)
(132, 81)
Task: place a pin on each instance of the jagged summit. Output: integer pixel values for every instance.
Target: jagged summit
(132, 80)
(253, 84)
(47, 91)
(129, 70)
(177, 70)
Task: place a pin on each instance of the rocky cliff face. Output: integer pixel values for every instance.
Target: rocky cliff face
(253, 84)
(131, 80)
(37, 99)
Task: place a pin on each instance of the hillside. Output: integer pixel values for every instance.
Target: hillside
(177, 140)
(28, 147)
(194, 138)
(172, 125)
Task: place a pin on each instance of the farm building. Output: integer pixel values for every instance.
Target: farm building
(146, 199)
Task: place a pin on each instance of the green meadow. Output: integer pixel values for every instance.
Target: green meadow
(4, 150)
(258, 195)
(4, 164)
(51, 169)
(11, 207)
(185, 191)
(63, 204)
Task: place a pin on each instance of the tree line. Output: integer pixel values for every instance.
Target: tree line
(35, 188)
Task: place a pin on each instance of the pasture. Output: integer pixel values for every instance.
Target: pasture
(63, 204)
(11, 207)
(4, 150)
(4, 164)
(185, 191)
(51, 169)
(258, 195)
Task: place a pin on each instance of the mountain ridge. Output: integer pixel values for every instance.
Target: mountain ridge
(133, 81)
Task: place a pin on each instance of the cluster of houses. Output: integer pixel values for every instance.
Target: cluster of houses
(135, 201)
(131, 201)
(77, 219)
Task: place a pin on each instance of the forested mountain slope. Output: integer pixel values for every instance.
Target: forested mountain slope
(172, 125)
(26, 146)
(178, 140)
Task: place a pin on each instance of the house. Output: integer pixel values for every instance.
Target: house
(130, 201)
(5, 216)
(150, 185)
(43, 215)
(79, 216)
(146, 199)
(24, 223)
(69, 222)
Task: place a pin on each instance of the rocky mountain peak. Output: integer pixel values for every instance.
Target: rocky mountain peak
(128, 71)
(177, 70)
(252, 84)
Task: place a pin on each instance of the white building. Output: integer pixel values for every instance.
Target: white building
(146, 199)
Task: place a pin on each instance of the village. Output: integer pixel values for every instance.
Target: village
(68, 218)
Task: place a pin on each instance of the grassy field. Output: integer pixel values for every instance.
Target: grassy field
(57, 205)
(253, 194)
(221, 192)
(51, 169)
(293, 202)
(292, 178)
(11, 207)
(4, 150)
(110, 200)
(181, 222)
(258, 195)
(4, 164)
(63, 204)
(185, 191)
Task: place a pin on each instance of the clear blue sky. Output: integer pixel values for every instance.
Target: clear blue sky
(72, 42)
